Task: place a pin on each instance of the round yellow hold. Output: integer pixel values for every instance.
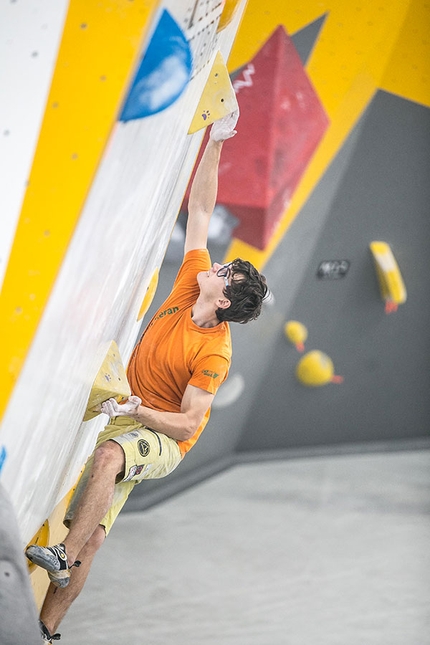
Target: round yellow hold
(314, 369)
(296, 333)
(149, 295)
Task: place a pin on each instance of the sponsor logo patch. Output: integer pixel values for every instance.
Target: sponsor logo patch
(143, 447)
(134, 470)
(210, 373)
(130, 475)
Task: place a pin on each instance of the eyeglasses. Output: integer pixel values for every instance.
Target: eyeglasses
(225, 272)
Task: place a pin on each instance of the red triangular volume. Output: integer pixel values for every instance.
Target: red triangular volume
(281, 123)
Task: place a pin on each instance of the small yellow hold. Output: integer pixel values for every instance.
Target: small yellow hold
(149, 295)
(392, 287)
(228, 13)
(296, 333)
(316, 368)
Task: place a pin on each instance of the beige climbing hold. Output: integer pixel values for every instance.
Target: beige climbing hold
(110, 382)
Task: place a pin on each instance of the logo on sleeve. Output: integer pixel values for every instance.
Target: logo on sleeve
(210, 373)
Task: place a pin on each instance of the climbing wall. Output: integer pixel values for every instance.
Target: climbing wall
(91, 194)
(95, 194)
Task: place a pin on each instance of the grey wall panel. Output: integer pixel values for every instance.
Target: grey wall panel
(384, 195)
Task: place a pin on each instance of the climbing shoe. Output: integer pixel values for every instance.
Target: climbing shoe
(54, 560)
(47, 638)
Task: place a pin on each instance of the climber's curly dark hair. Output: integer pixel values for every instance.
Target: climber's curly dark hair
(246, 292)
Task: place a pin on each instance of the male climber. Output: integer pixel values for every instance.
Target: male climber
(174, 372)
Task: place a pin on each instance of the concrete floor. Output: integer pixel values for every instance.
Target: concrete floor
(318, 551)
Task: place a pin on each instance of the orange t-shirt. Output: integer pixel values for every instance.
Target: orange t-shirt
(174, 352)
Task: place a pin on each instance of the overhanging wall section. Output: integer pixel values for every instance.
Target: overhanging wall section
(120, 225)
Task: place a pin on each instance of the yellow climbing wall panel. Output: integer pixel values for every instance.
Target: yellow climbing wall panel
(66, 160)
(408, 71)
(362, 46)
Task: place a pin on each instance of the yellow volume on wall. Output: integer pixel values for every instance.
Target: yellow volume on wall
(99, 49)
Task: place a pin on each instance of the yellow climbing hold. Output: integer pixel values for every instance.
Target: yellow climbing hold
(110, 382)
(296, 333)
(149, 295)
(393, 290)
(228, 13)
(316, 368)
(218, 97)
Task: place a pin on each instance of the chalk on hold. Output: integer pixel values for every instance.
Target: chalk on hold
(296, 333)
(228, 13)
(393, 290)
(315, 369)
(110, 382)
(149, 295)
(218, 97)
